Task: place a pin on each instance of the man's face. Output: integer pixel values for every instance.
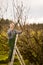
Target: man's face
(12, 26)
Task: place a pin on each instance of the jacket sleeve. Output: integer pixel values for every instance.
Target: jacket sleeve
(9, 33)
(18, 32)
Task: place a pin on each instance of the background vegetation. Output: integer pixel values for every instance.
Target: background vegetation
(30, 43)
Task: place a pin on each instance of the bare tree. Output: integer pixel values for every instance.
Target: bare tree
(20, 12)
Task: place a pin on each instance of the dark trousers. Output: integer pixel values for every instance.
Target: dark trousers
(11, 47)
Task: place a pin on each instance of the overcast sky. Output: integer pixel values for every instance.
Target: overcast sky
(35, 15)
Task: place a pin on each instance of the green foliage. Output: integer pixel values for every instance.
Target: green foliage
(30, 42)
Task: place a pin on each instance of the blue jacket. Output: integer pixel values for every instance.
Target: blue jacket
(12, 33)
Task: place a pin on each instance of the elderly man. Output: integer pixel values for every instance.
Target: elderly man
(11, 37)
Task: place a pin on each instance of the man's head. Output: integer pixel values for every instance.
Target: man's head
(12, 26)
